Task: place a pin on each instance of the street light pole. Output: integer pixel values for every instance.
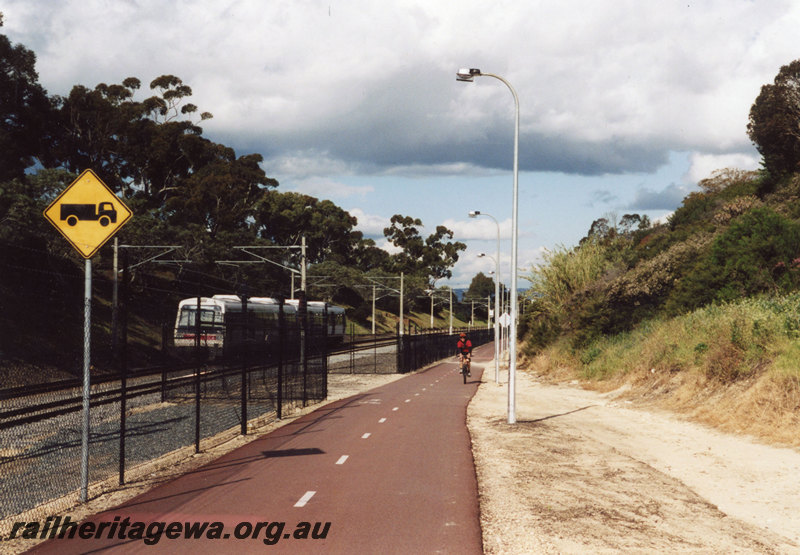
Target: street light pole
(303, 283)
(468, 75)
(475, 214)
(451, 310)
(401, 304)
(496, 312)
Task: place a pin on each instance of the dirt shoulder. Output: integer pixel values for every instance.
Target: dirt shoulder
(583, 471)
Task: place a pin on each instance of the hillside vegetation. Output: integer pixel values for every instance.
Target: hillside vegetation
(699, 314)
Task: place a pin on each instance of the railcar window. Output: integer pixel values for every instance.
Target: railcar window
(208, 318)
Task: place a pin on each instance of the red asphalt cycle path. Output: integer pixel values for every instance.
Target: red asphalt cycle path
(390, 469)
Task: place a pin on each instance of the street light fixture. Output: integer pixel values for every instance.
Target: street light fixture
(465, 74)
(496, 306)
(468, 75)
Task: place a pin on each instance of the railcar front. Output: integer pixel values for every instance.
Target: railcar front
(208, 333)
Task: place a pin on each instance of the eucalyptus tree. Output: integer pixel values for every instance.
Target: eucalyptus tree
(431, 257)
(774, 125)
(24, 111)
(282, 218)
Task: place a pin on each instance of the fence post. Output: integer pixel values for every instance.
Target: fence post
(123, 409)
(197, 332)
(399, 351)
(302, 312)
(280, 345)
(325, 351)
(243, 385)
(164, 384)
(352, 350)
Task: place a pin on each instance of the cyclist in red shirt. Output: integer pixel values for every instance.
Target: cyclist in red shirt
(464, 347)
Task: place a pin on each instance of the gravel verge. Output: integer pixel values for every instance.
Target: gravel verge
(581, 472)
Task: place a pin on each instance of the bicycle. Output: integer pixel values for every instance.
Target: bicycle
(464, 367)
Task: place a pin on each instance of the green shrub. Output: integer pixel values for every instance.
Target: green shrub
(559, 287)
(724, 341)
(696, 209)
(757, 253)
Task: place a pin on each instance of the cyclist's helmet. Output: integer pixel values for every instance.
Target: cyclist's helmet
(463, 335)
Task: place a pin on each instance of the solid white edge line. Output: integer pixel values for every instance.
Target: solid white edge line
(305, 499)
(342, 459)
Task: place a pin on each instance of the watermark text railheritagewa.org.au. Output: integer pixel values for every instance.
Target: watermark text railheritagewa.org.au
(150, 533)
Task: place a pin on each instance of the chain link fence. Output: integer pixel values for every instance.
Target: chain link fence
(416, 351)
(139, 416)
(150, 400)
(147, 416)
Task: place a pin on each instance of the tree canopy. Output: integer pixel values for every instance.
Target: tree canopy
(432, 257)
(774, 125)
(24, 110)
(148, 146)
(481, 287)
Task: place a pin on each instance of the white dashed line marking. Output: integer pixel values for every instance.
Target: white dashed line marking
(396, 408)
(305, 499)
(342, 459)
(381, 421)
(365, 436)
(408, 400)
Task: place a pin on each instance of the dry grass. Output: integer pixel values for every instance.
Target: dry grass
(735, 367)
(766, 407)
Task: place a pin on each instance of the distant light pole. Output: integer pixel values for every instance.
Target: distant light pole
(475, 214)
(451, 310)
(468, 75)
(496, 312)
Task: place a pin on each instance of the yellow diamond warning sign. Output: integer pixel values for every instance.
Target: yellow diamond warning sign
(87, 213)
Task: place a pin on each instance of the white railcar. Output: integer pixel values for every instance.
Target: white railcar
(223, 326)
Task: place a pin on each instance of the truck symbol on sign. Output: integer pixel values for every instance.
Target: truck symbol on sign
(103, 212)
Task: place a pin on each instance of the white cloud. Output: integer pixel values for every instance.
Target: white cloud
(663, 219)
(371, 87)
(370, 224)
(470, 264)
(324, 188)
(481, 227)
(305, 164)
(388, 247)
(530, 257)
(703, 165)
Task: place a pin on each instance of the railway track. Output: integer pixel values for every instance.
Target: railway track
(29, 404)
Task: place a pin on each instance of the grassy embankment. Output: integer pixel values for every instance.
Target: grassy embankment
(734, 366)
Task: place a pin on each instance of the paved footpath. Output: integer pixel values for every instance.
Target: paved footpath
(386, 471)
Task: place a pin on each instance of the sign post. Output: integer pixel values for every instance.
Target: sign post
(87, 214)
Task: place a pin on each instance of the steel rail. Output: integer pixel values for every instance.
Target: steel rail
(49, 409)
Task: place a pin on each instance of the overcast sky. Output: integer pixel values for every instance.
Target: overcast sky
(624, 105)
